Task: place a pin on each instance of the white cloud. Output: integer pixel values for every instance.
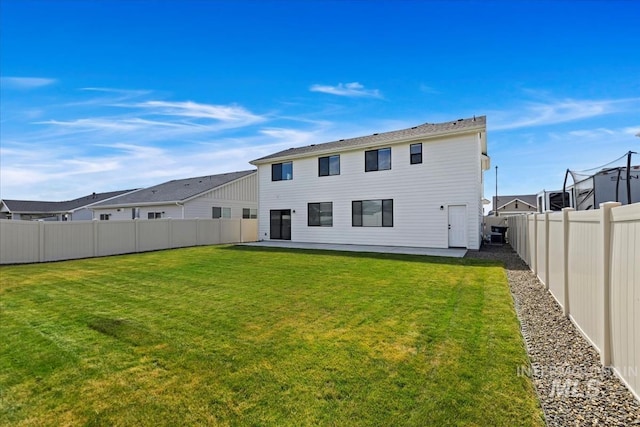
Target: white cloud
(353, 89)
(225, 113)
(157, 120)
(25, 82)
(534, 114)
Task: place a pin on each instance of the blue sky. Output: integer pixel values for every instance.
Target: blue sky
(109, 95)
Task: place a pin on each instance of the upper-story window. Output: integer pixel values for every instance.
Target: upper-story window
(282, 171)
(416, 153)
(329, 165)
(377, 160)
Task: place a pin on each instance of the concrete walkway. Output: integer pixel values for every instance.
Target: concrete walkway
(453, 253)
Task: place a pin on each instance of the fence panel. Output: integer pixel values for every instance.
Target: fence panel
(585, 290)
(208, 231)
(594, 273)
(19, 241)
(67, 240)
(115, 237)
(249, 230)
(154, 235)
(625, 294)
(184, 233)
(229, 230)
(38, 241)
(555, 281)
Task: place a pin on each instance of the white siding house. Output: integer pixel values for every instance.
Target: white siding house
(420, 187)
(228, 195)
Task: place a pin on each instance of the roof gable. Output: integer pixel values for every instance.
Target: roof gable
(427, 130)
(178, 190)
(528, 199)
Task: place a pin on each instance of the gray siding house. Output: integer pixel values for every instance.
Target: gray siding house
(70, 210)
(227, 195)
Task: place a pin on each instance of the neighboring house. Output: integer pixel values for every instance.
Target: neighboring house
(228, 195)
(514, 205)
(421, 187)
(71, 210)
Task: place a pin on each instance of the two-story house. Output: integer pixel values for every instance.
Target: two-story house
(420, 187)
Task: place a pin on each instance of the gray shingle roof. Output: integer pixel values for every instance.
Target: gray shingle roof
(426, 130)
(34, 206)
(177, 190)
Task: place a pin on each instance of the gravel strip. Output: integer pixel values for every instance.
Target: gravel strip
(573, 387)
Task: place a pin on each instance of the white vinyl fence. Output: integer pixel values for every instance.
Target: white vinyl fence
(41, 241)
(590, 262)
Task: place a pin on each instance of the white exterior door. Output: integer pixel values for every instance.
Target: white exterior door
(457, 226)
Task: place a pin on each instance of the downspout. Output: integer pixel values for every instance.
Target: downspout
(182, 206)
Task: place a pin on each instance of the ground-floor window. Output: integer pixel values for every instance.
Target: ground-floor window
(320, 214)
(154, 215)
(372, 213)
(105, 217)
(219, 212)
(248, 213)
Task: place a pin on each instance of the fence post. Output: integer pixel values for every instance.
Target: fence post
(170, 232)
(605, 278)
(566, 310)
(546, 251)
(137, 234)
(533, 248)
(95, 237)
(41, 241)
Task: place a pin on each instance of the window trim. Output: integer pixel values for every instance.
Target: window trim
(277, 171)
(369, 154)
(222, 210)
(357, 217)
(249, 213)
(320, 212)
(328, 165)
(418, 159)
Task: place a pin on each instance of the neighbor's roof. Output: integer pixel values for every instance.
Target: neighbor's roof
(34, 206)
(427, 130)
(529, 199)
(178, 190)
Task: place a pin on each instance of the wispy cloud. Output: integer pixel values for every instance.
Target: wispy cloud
(155, 119)
(428, 89)
(25, 83)
(532, 114)
(353, 89)
(226, 113)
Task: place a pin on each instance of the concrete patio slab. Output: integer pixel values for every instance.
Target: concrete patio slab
(449, 252)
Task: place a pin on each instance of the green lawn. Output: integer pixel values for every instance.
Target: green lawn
(228, 335)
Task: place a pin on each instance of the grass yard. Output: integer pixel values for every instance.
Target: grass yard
(228, 335)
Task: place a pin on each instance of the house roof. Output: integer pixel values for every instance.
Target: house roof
(34, 206)
(529, 199)
(427, 130)
(178, 190)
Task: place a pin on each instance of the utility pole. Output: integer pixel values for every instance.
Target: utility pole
(495, 208)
